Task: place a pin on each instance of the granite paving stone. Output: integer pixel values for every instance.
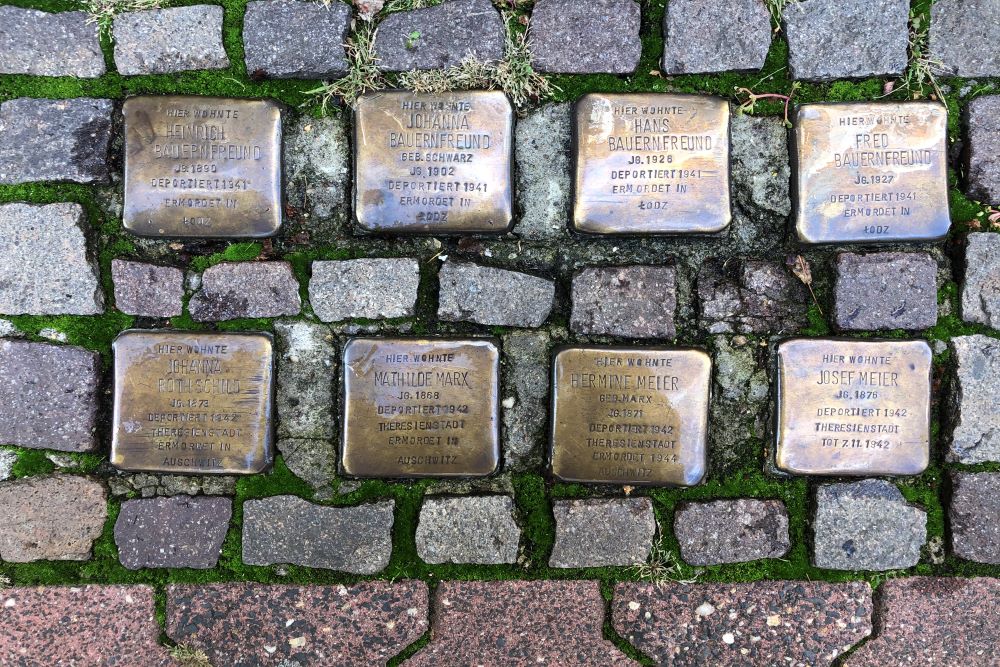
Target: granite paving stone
(232, 290)
(312, 460)
(53, 517)
(761, 623)
(245, 624)
(866, 525)
(975, 516)
(468, 529)
(980, 294)
(147, 290)
(601, 532)
(518, 624)
(885, 290)
(179, 531)
(934, 621)
(55, 140)
(709, 36)
(542, 146)
(289, 39)
(753, 296)
(306, 353)
(482, 294)
(440, 36)
(287, 529)
(161, 41)
(837, 39)
(975, 435)
(982, 148)
(964, 36)
(64, 626)
(629, 301)
(48, 396)
(566, 36)
(364, 288)
(49, 44)
(731, 531)
(317, 166)
(525, 402)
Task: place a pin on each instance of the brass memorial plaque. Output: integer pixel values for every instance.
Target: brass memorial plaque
(853, 407)
(192, 402)
(433, 164)
(871, 172)
(630, 415)
(421, 407)
(651, 164)
(202, 167)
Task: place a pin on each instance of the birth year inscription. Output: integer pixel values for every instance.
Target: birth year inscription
(433, 164)
(630, 415)
(191, 402)
(202, 167)
(871, 172)
(848, 407)
(651, 164)
(420, 407)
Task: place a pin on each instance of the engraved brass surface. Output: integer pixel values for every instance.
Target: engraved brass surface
(433, 164)
(202, 167)
(651, 164)
(630, 415)
(871, 172)
(851, 407)
(192, 402)
(421, 407)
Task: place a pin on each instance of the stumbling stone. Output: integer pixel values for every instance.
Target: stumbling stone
(753, 296)
(982, 146)
(288, 39)
(47, 269)
(707, 36)
(837, 39)
(525, 406)
(81, 625)
(542, 149)
(305, 396)
(441, 36)
(602, 532)
(585, 37)
(544, 622)
(364, 288)
(161, 41)
(934, 621)
(886, 290)
(482, 294)
(964, 35)
(866, 525)
(147, 290)
(231, 290)
(317, 164)
(55, 140)
(628, 301)
(471, 529)
(287, 529)
(311, 460)
(975, 516)
(975, 435)
(55, 517)
(180, 531)
(740, 624)
(46, 44)
(48, 396)
(246, 623)
(731, 531)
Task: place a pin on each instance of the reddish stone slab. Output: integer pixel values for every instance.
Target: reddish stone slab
(934, 621)
(760, 623)
(90, 625)
(515, 623)
(240, 625)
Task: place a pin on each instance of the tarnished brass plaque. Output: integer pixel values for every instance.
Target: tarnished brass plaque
(192, 402)
(853, 407)
(630, 415)
(421, 407)
(433, 164)
(202, 167)
(871, 172)
(652, 164)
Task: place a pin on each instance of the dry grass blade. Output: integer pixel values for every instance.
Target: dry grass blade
(919, 74)
(363, 75)
(103, 12)
(799, 267)
(663, 568)
(187, 656)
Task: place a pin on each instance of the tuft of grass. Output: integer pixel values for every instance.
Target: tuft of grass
(103, 12)
(664, 567)
(187, 656)
(393, 6)
(919, 80)
(363, 74)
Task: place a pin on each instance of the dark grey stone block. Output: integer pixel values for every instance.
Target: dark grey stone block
(886, 290)
(628, 301)
(47, 44)
(288, 39)
(573, 37)
(179, 531)
(712, 36)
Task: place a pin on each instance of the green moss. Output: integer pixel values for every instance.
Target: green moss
(234, 252)
(32, 462)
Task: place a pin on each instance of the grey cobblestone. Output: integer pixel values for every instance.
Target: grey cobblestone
(476, 529)
(708, 36)
(232, 290)
(49, 44)
(161, 41)
(573, 37)
(601, 532)
(482, 294)
(364, 288)
(289, 39)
